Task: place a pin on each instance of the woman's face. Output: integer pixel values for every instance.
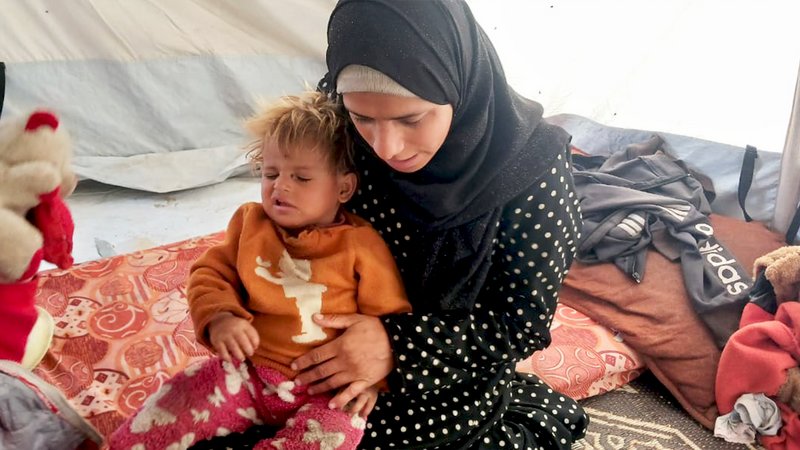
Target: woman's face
(404, 132)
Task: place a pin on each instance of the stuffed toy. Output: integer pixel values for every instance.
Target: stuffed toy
(782, 268)
(35, 225)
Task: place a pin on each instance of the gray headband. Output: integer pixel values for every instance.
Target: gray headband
(357, 78)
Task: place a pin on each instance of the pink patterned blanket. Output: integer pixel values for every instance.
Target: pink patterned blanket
(122, 329)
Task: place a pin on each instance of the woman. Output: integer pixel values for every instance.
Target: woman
(472, 191)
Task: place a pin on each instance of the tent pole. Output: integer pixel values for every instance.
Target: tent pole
(786, 202)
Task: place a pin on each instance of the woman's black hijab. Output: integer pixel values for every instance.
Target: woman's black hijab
(496, 147)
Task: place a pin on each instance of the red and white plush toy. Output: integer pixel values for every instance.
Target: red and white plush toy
(35, 224)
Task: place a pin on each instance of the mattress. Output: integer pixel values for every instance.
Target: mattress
(122, 329)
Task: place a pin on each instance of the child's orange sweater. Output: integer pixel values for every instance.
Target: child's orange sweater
(277, 282)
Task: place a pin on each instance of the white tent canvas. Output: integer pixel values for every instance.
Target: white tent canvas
(725, 72)
(154, 93)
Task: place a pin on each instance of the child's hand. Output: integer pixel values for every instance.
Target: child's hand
(232, 336)
(363, 403)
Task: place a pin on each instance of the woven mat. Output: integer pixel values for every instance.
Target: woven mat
(643, 415)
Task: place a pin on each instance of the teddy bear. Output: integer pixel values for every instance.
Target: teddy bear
(35, 225)
(782, 268)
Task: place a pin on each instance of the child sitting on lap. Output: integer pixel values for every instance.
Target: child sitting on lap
(252, 297)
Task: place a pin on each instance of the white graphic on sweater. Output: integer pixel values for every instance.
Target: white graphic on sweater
(151, 414)
(327, 441)
(294, 276)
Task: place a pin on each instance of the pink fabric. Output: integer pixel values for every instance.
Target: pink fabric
(584, 358)
(216, 398)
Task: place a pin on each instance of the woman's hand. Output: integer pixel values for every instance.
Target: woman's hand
(359, 358)
(364, 402)
(232, 336)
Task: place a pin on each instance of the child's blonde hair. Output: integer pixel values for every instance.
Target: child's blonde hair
(310, 119)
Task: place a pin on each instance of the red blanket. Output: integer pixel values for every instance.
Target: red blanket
(755, 361)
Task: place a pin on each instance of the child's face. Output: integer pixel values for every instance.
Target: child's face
(301, 190)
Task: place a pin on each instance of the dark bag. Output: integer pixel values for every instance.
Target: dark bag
(763, 294)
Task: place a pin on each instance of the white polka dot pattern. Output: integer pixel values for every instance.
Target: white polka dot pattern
(455, 385)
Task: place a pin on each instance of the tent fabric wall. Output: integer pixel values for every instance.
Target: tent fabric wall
(723, 71)
(717, 71)
(120, 30)
(721, 163)
(155, 92)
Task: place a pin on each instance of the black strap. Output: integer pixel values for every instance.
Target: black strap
(746, 177)
(791, 233)
(2, 85)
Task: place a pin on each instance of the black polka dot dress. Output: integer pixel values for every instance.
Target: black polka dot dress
(455, 386)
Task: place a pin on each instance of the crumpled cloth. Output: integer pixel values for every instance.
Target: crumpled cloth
(752, 413)
(35, 415)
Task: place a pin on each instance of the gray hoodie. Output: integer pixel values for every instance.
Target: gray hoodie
(642, 196)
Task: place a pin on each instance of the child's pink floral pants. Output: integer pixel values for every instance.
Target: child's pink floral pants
(217, 398)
